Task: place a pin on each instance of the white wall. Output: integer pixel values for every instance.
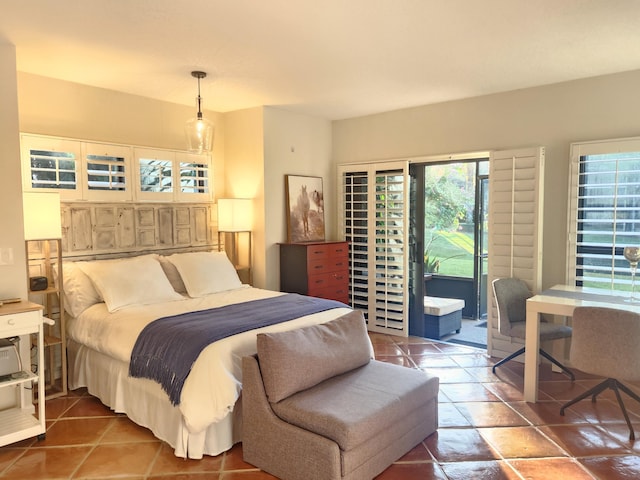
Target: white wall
(551, 116)
(13, 278)
(244, 176)
(264, 145)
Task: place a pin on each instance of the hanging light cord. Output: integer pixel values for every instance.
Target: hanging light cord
(199, 75)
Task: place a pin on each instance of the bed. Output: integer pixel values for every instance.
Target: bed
(110, 302)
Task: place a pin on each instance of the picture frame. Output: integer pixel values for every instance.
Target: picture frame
(305, 209)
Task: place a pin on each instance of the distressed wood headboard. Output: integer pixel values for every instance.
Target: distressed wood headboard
(99, 230)
(92, 231)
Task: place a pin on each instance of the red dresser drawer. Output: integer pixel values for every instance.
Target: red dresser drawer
(331, 264)
(339, 250)
(325, 281)
(318, 252)
(332, 293)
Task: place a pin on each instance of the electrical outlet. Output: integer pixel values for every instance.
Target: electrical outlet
(6, 256)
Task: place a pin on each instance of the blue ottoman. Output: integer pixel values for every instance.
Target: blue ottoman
(442, 316)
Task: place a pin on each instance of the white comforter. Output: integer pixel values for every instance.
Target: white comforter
(213, 386)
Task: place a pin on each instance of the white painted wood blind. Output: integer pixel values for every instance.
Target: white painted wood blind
(374, 219)
(604, 201)
(515, 228)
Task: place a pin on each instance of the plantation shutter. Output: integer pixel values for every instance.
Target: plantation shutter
(604, 212)
(515, 228)
(374, 213)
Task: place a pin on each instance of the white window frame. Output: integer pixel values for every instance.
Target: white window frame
(617, 262)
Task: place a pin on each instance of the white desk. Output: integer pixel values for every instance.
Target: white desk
(561, 300)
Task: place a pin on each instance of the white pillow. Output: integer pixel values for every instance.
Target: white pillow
(206, 272)
(172, 274)
(130, 281)
(79, 292)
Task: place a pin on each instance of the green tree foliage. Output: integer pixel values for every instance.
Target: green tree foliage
(449, 199)
(445, 201)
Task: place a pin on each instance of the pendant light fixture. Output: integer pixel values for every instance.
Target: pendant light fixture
(199, 130)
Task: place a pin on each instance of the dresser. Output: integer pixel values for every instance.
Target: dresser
(318, 269)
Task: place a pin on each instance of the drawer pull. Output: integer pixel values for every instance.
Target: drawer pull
(11, 321)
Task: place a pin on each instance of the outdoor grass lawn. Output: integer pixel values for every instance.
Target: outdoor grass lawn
(455, 252)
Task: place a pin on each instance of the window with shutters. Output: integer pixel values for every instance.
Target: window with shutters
(50, 169)
(172, 176)
(374, 220)
(194, 178)
(52, 164)
(355, 195)
(105, 172)
(604, 212)
(155, 175)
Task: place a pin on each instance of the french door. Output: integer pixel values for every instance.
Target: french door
(374, 220)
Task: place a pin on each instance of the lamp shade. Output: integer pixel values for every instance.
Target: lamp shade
(41, 215)
(235, 214)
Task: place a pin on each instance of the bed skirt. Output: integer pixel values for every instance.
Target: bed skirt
(146, 404)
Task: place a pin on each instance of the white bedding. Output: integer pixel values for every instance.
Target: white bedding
(213, 386)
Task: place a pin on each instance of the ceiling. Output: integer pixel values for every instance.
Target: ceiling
(328, 58)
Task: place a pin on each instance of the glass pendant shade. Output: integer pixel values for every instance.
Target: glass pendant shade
(199, 130)
(199, 135)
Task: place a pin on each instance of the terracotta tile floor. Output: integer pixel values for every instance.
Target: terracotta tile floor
(486, 431)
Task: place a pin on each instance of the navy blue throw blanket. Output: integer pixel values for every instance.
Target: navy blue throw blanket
(167, 347)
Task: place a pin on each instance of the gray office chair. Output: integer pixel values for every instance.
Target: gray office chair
(605, 343)
(511, 296)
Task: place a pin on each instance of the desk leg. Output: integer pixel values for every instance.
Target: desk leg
(532, 344)
(559, 347)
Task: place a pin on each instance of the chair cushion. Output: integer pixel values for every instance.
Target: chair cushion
(442, 306)
(355, 406)
(295, 360)
(548, 331)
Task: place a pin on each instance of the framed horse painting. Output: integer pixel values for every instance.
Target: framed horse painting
(305, 209)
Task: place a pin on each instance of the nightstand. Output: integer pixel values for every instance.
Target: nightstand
(21, 421)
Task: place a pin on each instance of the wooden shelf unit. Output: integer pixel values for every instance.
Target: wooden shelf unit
(22, 421)
(44, 258)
